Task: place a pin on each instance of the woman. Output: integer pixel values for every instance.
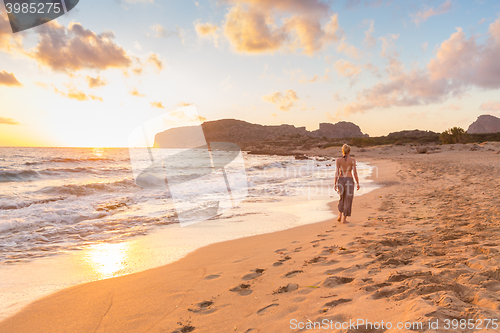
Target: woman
(344, 184)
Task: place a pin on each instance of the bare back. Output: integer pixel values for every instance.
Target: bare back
(345, 166)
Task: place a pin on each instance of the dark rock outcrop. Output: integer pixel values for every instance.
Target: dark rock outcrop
(485, 124)
(244, 133)
(339, 130)
(410, 134)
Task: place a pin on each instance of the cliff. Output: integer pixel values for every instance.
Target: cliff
(485, 124)
(244, 133)
(415, 134)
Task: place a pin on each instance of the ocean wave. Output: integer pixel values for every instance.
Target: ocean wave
(77, 160)
(90, 188)
(7, 176)
(282, 164)
(21, 241)
(52, 171)
(24, 204)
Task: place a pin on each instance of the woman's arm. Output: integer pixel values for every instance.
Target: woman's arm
(355, 172)
(336, 173)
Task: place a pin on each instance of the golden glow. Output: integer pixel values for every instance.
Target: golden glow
(107, 260)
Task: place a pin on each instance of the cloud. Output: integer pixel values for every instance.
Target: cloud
(347, 69)
(139, 1)
(158, 105)
(460, 63)
(369, 40)
(136, 93)
(259, 26)
(76, 48)
(9, 79)
(227, 84)
(464, 60)
(452, 107)
(161, 32)
(8, 41)
(8, 121)
(175, 116)
(490, 106)
(332, 119)
(155, 60)
(424, 14)
(96, 98)
(77, 95)
(208, 31)
(285, 101)
(351, 4)
(425, 46)
(182, 104)
(389, 51)
(204, 29)
(296, 74)
(348, 49)
(95, 82)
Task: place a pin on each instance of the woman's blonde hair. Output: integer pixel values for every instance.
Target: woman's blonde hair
(346, 149)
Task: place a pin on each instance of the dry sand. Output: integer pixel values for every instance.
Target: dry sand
(423, 247)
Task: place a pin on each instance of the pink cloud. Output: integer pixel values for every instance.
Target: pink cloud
(259, 26)
(423, 15)
(76, 48)
(8, 121)
(460, 63)
(491, 106)
(8, 79)
(284, 101)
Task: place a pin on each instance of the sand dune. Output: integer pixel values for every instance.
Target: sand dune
(422, 250)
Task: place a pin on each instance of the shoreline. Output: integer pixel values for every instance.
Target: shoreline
(162, 247)
(418, 250)
(178, 266)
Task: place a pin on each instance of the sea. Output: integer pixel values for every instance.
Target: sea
(75, 215)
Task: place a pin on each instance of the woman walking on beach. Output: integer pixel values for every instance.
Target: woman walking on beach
(344, 183)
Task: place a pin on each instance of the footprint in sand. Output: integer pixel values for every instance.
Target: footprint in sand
(286, 289)
(242, 289)
(256, 273)
(329, 262)
(336, 270)
(328, 250)
(315, 260)
(265, 309)
(280, 261)
(293, 273)
(386, 292)
(376, 286)
(338, 301)
(334, 281)
(185, 329)
(204, 307)
(212, 277)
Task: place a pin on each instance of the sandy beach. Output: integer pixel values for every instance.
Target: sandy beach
(421, 250)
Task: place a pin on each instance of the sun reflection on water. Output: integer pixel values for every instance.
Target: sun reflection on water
(107, 260)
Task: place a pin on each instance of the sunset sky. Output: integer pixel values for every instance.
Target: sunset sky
(90, 77)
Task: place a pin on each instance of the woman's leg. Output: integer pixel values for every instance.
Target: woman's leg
(348, 197)
(341, 186)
